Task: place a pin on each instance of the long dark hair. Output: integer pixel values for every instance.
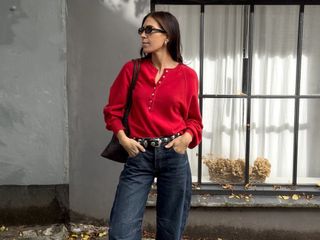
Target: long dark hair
(170, 24)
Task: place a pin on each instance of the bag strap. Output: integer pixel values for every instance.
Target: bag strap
(136, 69)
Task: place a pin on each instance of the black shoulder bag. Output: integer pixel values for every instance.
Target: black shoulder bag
(114, 151)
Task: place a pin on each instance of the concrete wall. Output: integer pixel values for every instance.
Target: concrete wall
(35, 86)
(33, 113)
(34, 161)
(102, 36)
(238, 223)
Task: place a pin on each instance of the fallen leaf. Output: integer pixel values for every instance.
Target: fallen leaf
(247, 198)
(309, 197)
(231, 196)
(227, 186)
(195, 186)
(295, 197)
(102, 234)
(275, 187)
(284, 197)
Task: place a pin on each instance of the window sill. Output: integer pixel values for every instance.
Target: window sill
(243, 201)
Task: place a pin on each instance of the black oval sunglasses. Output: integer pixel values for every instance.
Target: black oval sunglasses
(149, 29)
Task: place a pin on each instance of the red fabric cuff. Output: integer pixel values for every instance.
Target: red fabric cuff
(117, 126)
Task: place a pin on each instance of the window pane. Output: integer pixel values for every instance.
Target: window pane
(223, 142)
(310, 71)
(309, 141)
(223, 49)
(272, 123)
(274, 49)
(193, 160)
(189, 21)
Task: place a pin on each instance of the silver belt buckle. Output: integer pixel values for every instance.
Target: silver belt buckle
(156, 142)
(143, 142)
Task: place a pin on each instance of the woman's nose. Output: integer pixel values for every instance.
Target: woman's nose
(143, 35)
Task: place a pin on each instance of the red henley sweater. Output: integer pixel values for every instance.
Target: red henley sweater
(158, 109)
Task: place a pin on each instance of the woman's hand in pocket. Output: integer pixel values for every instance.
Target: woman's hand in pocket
(180, 144)
(130, 145)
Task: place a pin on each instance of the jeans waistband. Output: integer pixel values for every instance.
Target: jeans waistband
(156, 142)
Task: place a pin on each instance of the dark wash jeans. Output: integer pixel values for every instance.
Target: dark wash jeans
(173, 194)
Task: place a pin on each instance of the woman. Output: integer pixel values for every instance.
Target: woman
(164, 121)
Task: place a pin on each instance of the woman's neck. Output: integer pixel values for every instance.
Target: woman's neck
(163, 60)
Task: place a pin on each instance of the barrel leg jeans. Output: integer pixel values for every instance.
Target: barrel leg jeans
(173, 194)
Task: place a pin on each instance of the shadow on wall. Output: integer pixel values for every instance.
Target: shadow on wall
(133, 11)
(10, 13)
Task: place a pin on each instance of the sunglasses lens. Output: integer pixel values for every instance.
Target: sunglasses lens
(148, 29)
(140, 30)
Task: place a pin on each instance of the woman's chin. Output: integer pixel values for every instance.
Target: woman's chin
(146, 51)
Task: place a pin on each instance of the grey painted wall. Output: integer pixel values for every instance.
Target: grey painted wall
(102, 36)
(33, 113)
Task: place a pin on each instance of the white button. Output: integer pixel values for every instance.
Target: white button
(163, 76)
(154, 88)
(166, 71)
(149, 108)
(152, 94)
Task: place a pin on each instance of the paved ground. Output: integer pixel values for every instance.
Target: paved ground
(55, 232)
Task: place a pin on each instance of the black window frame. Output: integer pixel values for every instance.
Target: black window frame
(246, 188)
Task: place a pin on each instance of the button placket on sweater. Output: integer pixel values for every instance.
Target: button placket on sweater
(156, 86)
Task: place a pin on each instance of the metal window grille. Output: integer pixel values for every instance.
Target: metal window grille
(265, 189)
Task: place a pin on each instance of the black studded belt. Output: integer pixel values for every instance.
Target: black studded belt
(156, 142)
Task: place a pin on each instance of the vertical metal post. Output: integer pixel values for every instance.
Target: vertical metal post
(245, 44)
(248, 121)
(152, 6)
(297, 98)
(201, 56)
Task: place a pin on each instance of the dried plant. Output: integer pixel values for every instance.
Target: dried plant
(224, 170)
(261, 170)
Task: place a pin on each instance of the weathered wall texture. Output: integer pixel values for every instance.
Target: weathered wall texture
(33, 113)
(102, 36)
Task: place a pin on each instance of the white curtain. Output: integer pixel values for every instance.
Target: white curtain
(273, 73)
(309, 134)
(224, 118)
